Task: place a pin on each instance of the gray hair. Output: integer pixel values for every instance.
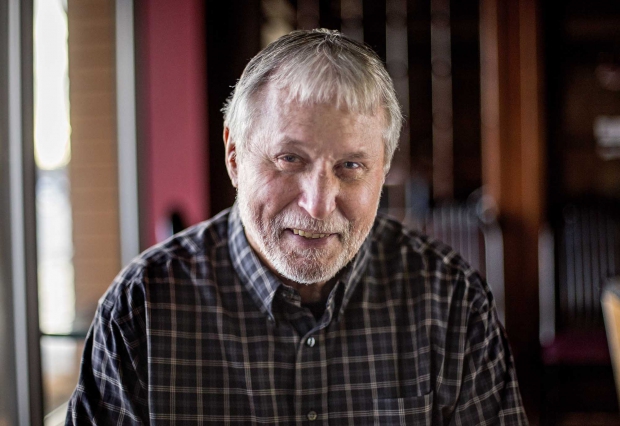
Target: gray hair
(318, 66)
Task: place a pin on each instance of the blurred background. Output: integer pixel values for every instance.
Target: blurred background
(110, 141)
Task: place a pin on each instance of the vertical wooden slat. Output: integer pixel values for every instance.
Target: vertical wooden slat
(329, 14)
(232, 38)
(397, 62)
(351, 13)
(490, 67)
(307, 14)
(420, 95)
(374, 25)
(441, 67)
(513, 161)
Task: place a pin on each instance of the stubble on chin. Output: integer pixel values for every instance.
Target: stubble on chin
(301, 265)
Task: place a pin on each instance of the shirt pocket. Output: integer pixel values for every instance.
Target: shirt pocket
(415, 410)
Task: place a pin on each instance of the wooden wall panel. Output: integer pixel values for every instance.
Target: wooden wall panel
(93, 167)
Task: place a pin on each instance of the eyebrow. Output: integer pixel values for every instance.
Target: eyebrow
(358, 155)
(355, 155)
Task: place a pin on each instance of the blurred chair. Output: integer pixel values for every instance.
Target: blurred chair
(611, 310)
(584, 255)
(587, 255)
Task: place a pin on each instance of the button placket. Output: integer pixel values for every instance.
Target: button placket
(309, 393)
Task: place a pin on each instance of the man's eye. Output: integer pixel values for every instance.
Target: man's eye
(289, 162)
(289, 158)
(351, 165)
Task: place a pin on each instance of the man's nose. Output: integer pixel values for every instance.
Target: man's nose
(319, 191)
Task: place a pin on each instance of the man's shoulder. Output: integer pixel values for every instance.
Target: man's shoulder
(194, 242)
(408, 252)
(393, 236)
(197, 246)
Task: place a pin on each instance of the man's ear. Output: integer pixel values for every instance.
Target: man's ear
(230, 148)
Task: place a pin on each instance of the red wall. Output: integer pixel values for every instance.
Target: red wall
(170, 49)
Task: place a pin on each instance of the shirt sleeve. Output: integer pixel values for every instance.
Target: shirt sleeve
(112, 388)
(489, 392)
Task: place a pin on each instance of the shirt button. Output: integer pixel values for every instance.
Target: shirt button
(311, 342)
(312, 416)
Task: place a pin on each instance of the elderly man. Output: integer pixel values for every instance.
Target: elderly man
(300, 305)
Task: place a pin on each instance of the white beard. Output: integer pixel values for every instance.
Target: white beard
(303, 266)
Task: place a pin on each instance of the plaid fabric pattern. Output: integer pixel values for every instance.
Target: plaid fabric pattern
(197, 331)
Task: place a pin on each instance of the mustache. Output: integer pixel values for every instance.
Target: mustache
(334, 225)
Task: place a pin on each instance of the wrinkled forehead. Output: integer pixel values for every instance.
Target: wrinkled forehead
(282, 101)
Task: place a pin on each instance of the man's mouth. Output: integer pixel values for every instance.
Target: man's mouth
(309, 234)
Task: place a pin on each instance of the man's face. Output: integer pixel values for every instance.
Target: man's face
(309, 181)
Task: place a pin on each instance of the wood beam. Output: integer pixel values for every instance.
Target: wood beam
(513, 159)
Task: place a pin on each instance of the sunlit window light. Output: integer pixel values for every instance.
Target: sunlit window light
(52, 153)
(52, 129)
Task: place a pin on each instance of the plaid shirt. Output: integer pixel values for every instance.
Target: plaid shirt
(198, 331)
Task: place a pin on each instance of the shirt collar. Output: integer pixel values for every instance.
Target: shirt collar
(259, 281)
(353, 274)
(262, 284)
